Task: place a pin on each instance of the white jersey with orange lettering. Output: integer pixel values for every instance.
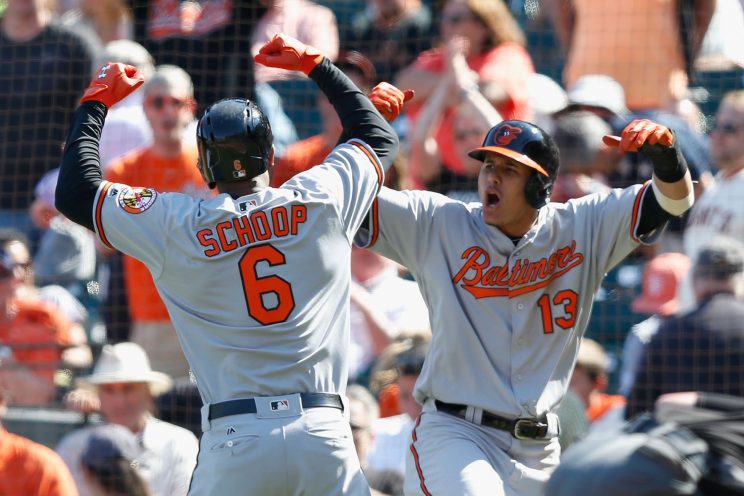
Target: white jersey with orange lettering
(232, 273)
(505, 319)
(506, 322)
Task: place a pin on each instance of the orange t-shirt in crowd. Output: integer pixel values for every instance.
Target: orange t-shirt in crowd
(508, 64)
(37, 333)
(172, 174)
(636, 42)
(602, 403)
(27, 467)
(299, 157)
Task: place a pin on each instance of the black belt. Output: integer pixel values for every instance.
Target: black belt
(520, 428)
(248, 405)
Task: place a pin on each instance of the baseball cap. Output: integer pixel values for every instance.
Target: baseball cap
(661, 277)
(720, 260)
(108, 443)
(598, 90)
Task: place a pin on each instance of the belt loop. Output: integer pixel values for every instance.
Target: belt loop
(554, 425)
(205, 424)
(471, 412)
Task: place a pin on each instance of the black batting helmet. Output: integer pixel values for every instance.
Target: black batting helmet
(529, 145)
(234, 139)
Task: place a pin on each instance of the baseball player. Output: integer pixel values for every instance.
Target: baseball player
(509, 283)
(255, 280)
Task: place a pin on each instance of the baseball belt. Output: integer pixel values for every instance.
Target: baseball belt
(519, 428)
(248, 405)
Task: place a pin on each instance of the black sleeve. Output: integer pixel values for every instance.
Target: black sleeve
(80, 171)
(359, 117)
(652, 215)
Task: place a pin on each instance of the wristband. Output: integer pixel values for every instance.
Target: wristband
(671, 205)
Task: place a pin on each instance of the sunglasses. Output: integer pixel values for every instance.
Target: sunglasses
(159, 102)
(462, 134)
(726, 127)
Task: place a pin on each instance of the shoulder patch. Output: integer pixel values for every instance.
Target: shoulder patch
(137, 200)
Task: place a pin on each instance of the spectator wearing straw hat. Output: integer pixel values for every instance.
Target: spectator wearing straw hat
(124, 386)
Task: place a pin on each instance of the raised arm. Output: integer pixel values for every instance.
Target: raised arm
(672, 192)
(80, 171)
(358, 115)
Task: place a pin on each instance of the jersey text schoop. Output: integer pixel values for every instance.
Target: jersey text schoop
(479, 278)
(257, 226)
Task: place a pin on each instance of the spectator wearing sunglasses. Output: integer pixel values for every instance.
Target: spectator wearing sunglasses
(168, 164)
(720, 209)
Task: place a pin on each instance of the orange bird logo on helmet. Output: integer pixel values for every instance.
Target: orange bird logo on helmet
(506, 134)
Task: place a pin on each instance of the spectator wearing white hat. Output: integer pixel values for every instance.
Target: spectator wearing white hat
(124, 386)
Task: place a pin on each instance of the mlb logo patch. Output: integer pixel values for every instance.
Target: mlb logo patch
(279, 405)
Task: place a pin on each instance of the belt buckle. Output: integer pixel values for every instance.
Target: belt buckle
(522, 423)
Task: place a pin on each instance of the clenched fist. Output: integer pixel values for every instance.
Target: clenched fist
(641, 132)
(389, 100)
(285, 52)
(114, 82)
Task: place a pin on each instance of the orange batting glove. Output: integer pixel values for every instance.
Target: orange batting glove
(389, 100)
(114, 82)
(285, 52)
(641, 132)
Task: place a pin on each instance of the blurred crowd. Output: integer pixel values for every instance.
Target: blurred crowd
(83, 328)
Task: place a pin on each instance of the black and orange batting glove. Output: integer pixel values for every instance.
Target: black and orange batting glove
(285, 52)
(655, 141)
(389, 100)
(114, 82)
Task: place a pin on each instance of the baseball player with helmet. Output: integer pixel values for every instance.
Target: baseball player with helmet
(256, 280)
(509, 282)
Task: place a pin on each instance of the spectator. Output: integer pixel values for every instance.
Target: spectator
(204, 38)
(473, 116)
(603, 38)
(66, 255)
(720, 210)
(578, 135)
(589, 381)
(383, 305)
(34, 335)
(495, 51)
(101, 21)
(701, 350)
(393, 433)
(126, 125)
(363, 412)
(661, 278)
(169, 164)
(45, 68)
(392, 33)
(305, 20)
(122, 387)
(27, 467)
(110, 462)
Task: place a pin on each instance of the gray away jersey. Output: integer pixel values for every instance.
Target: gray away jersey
(506, 319)
(256, 287)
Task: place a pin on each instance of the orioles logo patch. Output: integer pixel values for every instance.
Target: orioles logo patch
(506, 134)
(137, 200)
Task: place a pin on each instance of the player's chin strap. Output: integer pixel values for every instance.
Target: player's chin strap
(674, 207)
